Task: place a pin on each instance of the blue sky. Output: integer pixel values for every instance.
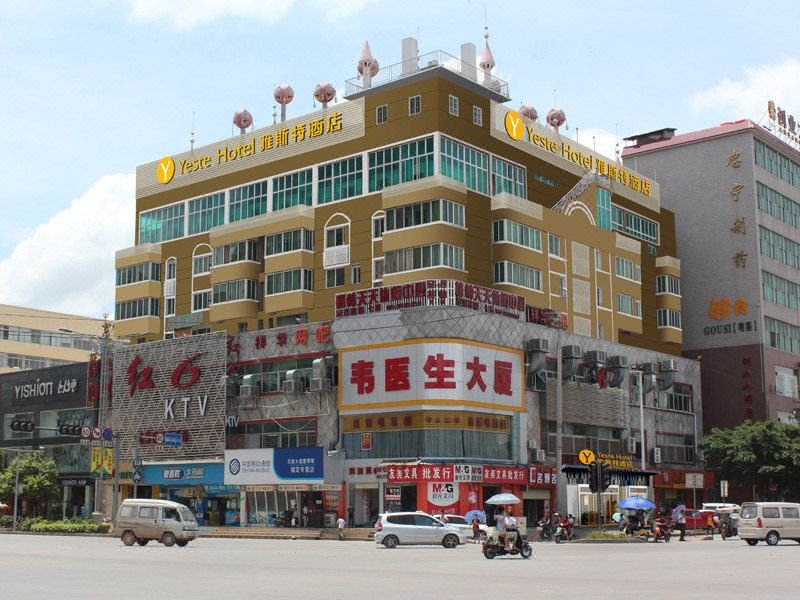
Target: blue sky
(90, 89)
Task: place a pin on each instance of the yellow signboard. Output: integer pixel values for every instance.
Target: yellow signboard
(515, 128)
(97, 459)
(586, 457)
(108, 460)
(616, 461)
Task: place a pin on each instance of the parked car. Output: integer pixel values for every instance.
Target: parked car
(461, 523)
(769, 521)
(141, 520)
(411, 528)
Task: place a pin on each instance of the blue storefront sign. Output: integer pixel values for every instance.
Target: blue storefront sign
(299, 463)
(259, 466)
(183, 474)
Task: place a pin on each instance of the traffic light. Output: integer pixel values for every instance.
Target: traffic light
(594, 482)
(70, 429)
(17, 425)
(604, 477)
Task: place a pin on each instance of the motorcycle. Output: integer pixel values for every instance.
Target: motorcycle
(565, 533)
(545, 530)
(493, 546)
(661, 531)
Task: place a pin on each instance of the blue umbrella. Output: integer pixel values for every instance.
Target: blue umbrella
(475, 513)
(635, 503)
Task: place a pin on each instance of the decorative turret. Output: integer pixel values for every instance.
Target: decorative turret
(283, 95)
(556, 118)
(527, 111)
(324, 92)
(487, 60)
(367, 66)
(242, 119)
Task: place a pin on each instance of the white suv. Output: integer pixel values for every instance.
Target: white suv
(409, 528)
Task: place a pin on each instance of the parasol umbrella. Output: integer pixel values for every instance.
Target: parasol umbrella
(676, 512)
(503, 499)
(636, 503)
(475, 513)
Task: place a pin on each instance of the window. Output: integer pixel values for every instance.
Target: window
(634, 225)
(452, 105)
(628, 305)
(201, 264)
(676, 448)
(378, 225)
(790, 513)
(382, 114)
(553, 245)
(779, 248)
(355, 274)
(508, 177)
(668, 284)
(603, 198)
(599, 296)
(171, 269)
(336, 236)
(201, 330)
(233, 291)
(414, 105)
(133, 309)
(777, 164)
(248, 201)
(516, 233)
(289, 241)
(127, 512)
(334, 277)
(781, 335)
(293, 189)
(246, 250)
(786, 382)
(545, 180)
(340, 180)
(169, 306)
(161, 224)
(290, 281)
(465, 164)
(137, 273)
(628, 269)
(667, 317)
(780, 291)
(477, 116)
(678, 397)
(598, 261)
(399, 164)
(512, 273)
(201, 300)
(422, 213)
(779, 206)
(770, 512)
(206, 212)
(377, 271)
(424, 257)
(148, 512)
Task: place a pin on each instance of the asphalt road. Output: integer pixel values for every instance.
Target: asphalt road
(43, 567)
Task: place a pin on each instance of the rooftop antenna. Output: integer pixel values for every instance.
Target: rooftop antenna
(191, 139)
(594, 143)
(616, 141)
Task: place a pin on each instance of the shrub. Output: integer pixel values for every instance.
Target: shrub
(72, 525)
(6, 521)
(606, 535)
(26, 524)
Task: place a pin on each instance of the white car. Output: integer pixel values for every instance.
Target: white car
(461, 523)
(411, 528)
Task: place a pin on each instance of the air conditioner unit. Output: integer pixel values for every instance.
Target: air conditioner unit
(631, 445)
(532, 445)
(536, 345)
(540, 455)
(248, 391)
(656, 455)
(320, 385)
(336, 256)
(594, 357)
(293, 387)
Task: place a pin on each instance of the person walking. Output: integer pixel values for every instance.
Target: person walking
(340, 524)
(682, 524)
(350, 517)
(305, 516)
(476, 528)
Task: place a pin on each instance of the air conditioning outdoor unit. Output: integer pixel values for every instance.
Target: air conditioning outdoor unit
(320, 385)
(248, 391)
(540, 455)
(631, 445)
(532, 445)
(656, 455)
(293, 387)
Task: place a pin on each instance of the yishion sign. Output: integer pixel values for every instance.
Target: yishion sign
(168, 386)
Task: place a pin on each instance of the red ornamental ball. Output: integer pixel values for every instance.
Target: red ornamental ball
(324, 92)
(242, 118)
(373, 68)
(527, 111)
(284, 93)
(556, 117)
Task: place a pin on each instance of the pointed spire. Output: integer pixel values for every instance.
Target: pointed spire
(487, 60)
(366, 58)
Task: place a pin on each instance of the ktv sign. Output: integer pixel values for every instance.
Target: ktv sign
(448, 372)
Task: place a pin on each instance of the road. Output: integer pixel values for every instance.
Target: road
(39, 567)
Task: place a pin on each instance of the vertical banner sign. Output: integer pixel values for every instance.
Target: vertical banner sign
(108, 460)
(97, 459)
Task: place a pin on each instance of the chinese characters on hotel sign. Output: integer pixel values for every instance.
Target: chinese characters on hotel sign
(420, 372)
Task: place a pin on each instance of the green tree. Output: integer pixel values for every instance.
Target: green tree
(37, 474)
(757, 453)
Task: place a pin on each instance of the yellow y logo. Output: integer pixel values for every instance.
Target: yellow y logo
(514, 126)
(165, 170)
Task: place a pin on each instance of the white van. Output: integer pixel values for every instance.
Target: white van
(142, 520)
(770, 521)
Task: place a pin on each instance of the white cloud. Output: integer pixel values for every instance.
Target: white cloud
(67, 263)
(185, 14)
(747, 97)
(602, 141)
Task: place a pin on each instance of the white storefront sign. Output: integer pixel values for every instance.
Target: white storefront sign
(442, 494)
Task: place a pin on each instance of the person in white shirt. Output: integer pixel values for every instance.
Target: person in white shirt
(500, 525)
(340, 524)
(511, 529)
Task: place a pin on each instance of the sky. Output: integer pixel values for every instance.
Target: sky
(89, 89)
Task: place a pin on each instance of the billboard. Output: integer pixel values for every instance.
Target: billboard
(259, 466)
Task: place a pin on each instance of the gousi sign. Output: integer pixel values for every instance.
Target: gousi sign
(517, 130)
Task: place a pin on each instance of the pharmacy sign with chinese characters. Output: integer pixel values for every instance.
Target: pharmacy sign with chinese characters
(448, 372)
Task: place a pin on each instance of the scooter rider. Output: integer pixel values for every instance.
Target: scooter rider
(500, 525)
(545, 524)
(511, 530)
